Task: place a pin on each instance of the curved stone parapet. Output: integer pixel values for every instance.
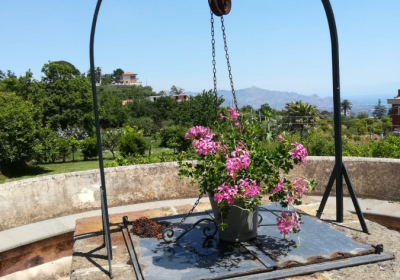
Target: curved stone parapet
(41, 198)
(377, 178)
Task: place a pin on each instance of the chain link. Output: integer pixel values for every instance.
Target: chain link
(228, 63)
(214, 66)
(191, 211)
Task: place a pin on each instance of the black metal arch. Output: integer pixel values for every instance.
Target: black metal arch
(103, 190)
(340, 169)
(337, 173)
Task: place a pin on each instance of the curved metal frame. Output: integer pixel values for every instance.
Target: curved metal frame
(337, 173)
(169, 231)
(339, 170)
(103, 192)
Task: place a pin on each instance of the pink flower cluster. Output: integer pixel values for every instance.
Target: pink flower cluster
(293, 191)
(299, 152)
(299, 187)
(233, 115)
(198, 132)
(202, 140)
(278, 186)
(244, 190)
(226, 192)
(249, 190)
(287, 223)
(240, 160)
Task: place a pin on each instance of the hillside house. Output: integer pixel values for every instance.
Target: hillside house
(395, 113)
(180, 97)
(129, 78)
(124, 102)
(153, 97)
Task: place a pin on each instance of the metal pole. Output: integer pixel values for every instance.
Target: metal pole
(103, 193)
(336, 109)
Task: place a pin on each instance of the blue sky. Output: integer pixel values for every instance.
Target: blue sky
(273, 44)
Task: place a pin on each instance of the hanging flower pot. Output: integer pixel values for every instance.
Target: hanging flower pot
(241, 224)
(238, 163)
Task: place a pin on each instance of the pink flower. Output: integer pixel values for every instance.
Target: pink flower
(240, 160)
(226, 192)
(280, 138)
(287, 223)
(299, 153)
(249, 190)
(278, 186)
(233, 115)
(202, 140)
(221, 116)
(237, 124)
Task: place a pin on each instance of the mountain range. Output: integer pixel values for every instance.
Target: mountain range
(255, 97)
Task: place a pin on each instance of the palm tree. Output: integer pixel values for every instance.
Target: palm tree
(301, 116)
(346, 106)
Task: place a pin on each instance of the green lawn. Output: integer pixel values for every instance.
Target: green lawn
(78, 165)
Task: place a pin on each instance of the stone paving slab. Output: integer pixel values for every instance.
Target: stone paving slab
(26, 234)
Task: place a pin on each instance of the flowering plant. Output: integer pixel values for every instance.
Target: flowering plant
(240, 162)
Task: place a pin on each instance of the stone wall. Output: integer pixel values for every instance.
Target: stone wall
(377, 178)
(32, 200)
(41, 198)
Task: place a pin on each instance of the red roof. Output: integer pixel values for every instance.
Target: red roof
(128, 73)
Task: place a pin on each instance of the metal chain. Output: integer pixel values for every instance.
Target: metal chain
(227, 61)
(190, 212)
(214, 66)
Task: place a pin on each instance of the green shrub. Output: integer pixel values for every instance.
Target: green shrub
(89, 148)
(318, 144)
(389, 148)
(132, 143)
(63, 148)
(174, 137)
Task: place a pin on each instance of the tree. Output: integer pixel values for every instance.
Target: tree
(111, 138)
(97, 75)
(74, 145)
(346, 106)
(106, 79)
(301, 116)
(176, 90)
(132, 143)
(75, 71)
(202, 108)
(11, 74)
(65, 98)
(63, 148)
(2, 75)
(45, 148)
(145, 124)
(265, 107)
(112, 113)
(379, 110)
(89, 148)
(117, 75)
(18, 130)
(247, 109)
(174, 137)
(362, 115)
(163, 107)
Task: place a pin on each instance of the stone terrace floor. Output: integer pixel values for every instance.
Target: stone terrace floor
(90, 262)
